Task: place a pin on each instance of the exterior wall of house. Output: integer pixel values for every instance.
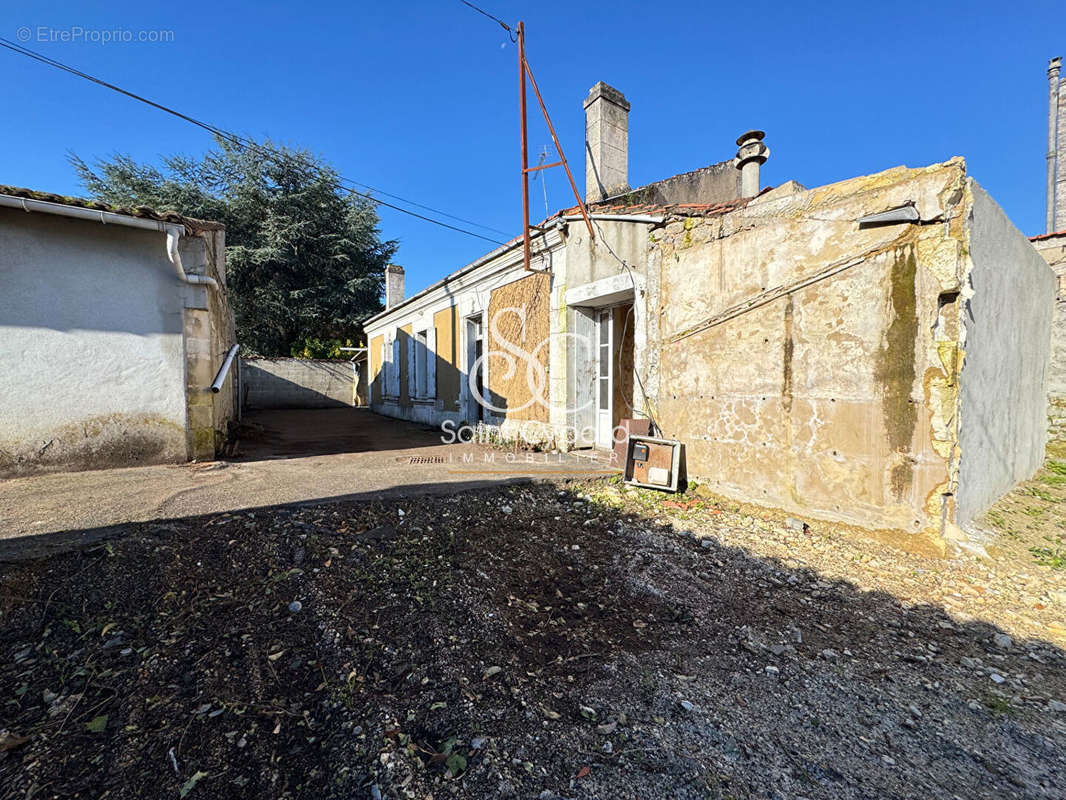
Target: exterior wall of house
(1053, 249)
(811, 364)
(91, 346)
(106, 357)
(619, 266)
(424, 375)
(1009, 300)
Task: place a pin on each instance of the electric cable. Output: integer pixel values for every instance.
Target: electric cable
(246, 143)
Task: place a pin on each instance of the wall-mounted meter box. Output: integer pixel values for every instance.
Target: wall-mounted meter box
(653, 463)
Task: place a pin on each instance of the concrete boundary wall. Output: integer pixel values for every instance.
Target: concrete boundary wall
(297, 383)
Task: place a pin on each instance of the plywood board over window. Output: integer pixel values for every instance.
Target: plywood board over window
(518, 330)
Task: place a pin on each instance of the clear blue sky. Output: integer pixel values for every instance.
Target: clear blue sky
(420, 98)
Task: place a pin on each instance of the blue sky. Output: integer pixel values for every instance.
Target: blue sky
(420, 98)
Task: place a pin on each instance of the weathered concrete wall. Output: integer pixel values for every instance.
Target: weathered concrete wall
(717, 183)
(1003, 380)
(1053, 250)
(91, 354)
(797, 348)
(297, 383)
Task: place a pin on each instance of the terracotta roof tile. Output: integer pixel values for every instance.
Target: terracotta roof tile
(1047, 236)
(137, 211)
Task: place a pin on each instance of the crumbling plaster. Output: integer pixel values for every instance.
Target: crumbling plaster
(811, 364)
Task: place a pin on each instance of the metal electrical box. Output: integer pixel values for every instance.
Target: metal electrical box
(653, 463)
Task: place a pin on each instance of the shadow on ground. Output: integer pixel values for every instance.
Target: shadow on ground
(518, 642)
(302, 432)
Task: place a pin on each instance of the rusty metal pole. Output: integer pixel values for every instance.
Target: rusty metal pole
(521, 35)
(562, 156)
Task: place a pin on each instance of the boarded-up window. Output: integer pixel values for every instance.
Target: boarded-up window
(518, 331)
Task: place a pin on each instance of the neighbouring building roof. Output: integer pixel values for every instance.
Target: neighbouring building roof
(137, 211)
(1047, 236)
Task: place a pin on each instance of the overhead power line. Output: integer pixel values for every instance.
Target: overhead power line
(497, 20)
(246, 143)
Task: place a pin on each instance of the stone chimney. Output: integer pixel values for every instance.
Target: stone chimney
(1054, 122)
(393, 285)
(752, 153)
(606, 143)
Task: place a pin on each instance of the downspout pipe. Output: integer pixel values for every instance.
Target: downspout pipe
(173, 231)
(220, 377)
(174, 234)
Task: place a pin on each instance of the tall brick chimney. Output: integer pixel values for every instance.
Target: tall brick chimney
(606, 143)
(393, 285)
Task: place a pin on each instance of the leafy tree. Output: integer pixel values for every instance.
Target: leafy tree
(304, 260)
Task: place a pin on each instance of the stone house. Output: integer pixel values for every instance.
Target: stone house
(113, 325)
(874, 351)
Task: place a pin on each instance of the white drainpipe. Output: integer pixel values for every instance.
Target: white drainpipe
(172, 230)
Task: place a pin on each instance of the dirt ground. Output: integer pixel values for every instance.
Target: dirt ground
(574, 641)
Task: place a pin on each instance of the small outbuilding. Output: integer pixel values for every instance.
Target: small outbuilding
(114, 325)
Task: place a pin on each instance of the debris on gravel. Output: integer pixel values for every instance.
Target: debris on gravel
(579, 646)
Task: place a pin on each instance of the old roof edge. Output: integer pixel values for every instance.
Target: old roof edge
(1043, 236)
(141, 212)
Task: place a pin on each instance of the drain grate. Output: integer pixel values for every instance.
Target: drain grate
(427, 459)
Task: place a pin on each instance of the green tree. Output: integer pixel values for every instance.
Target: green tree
(304, 260)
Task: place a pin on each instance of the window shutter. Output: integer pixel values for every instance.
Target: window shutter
(431, 363)
(394, 369)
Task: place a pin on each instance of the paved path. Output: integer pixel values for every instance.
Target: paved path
(295, 457)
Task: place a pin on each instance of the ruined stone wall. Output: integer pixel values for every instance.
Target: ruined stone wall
(1053, 250)
(803, 360)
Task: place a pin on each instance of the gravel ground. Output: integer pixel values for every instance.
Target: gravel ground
(575, 641)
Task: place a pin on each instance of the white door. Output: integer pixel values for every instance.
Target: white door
(605, 380)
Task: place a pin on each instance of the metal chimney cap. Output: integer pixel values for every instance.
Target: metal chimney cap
(756, 135)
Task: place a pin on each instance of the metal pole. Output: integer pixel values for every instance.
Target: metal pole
(521, 35)
(559, 149)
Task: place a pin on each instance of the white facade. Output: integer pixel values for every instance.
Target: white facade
(103, 349)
